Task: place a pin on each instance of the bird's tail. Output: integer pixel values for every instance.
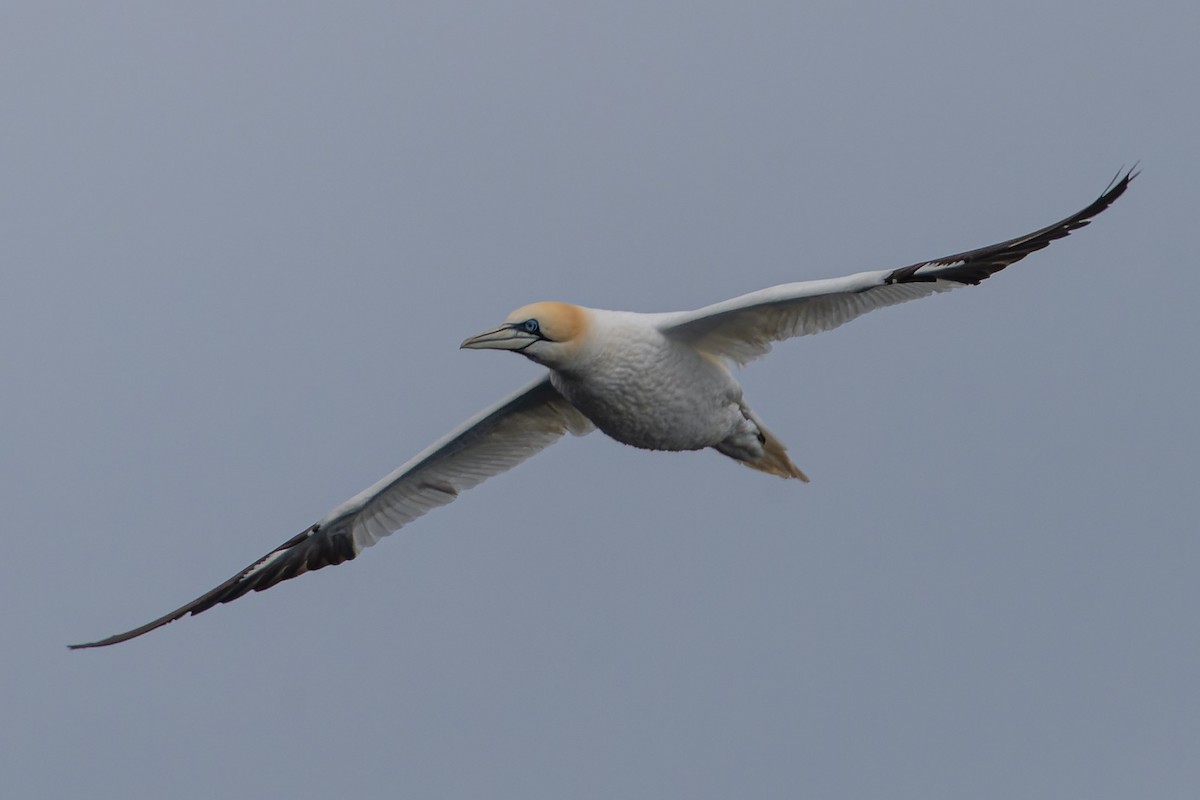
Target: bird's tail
(774, 459)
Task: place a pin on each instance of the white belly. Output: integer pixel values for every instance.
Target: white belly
(656, 394)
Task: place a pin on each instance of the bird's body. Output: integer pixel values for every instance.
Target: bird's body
(654, 381)
(644, 388)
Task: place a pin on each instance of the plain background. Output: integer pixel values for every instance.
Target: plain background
(242, 241)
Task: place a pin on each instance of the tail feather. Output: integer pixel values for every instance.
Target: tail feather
(774, 459)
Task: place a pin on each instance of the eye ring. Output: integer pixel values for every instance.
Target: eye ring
(530, 326)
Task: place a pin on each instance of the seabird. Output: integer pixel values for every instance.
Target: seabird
(654, 381)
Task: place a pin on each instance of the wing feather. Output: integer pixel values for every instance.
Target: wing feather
(745, 327)
(489, 443)
(492, 442)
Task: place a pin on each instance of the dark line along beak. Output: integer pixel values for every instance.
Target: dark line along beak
(506, 337)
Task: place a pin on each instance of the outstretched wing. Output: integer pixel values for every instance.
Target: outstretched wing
(744, 328)
(489, 443)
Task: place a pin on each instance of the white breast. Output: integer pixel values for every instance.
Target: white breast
(645, 390)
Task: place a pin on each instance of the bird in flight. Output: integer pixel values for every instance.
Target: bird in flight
(654, 381)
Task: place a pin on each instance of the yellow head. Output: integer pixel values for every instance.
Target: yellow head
(546, 332)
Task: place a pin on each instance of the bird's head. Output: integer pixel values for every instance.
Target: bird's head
(548, 333)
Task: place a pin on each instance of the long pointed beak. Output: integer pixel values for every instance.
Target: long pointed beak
(506, 337)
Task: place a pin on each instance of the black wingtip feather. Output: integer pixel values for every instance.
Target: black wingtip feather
(975, 266)
(305, 552)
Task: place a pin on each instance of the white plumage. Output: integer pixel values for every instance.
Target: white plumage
(655, 381)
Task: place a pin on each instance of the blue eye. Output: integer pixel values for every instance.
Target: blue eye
(530, 326)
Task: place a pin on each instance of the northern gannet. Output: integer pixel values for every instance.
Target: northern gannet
(655, 381)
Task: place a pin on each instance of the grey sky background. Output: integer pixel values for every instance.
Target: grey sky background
(242, 242)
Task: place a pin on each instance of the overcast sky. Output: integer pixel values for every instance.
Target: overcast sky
(241, 244)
